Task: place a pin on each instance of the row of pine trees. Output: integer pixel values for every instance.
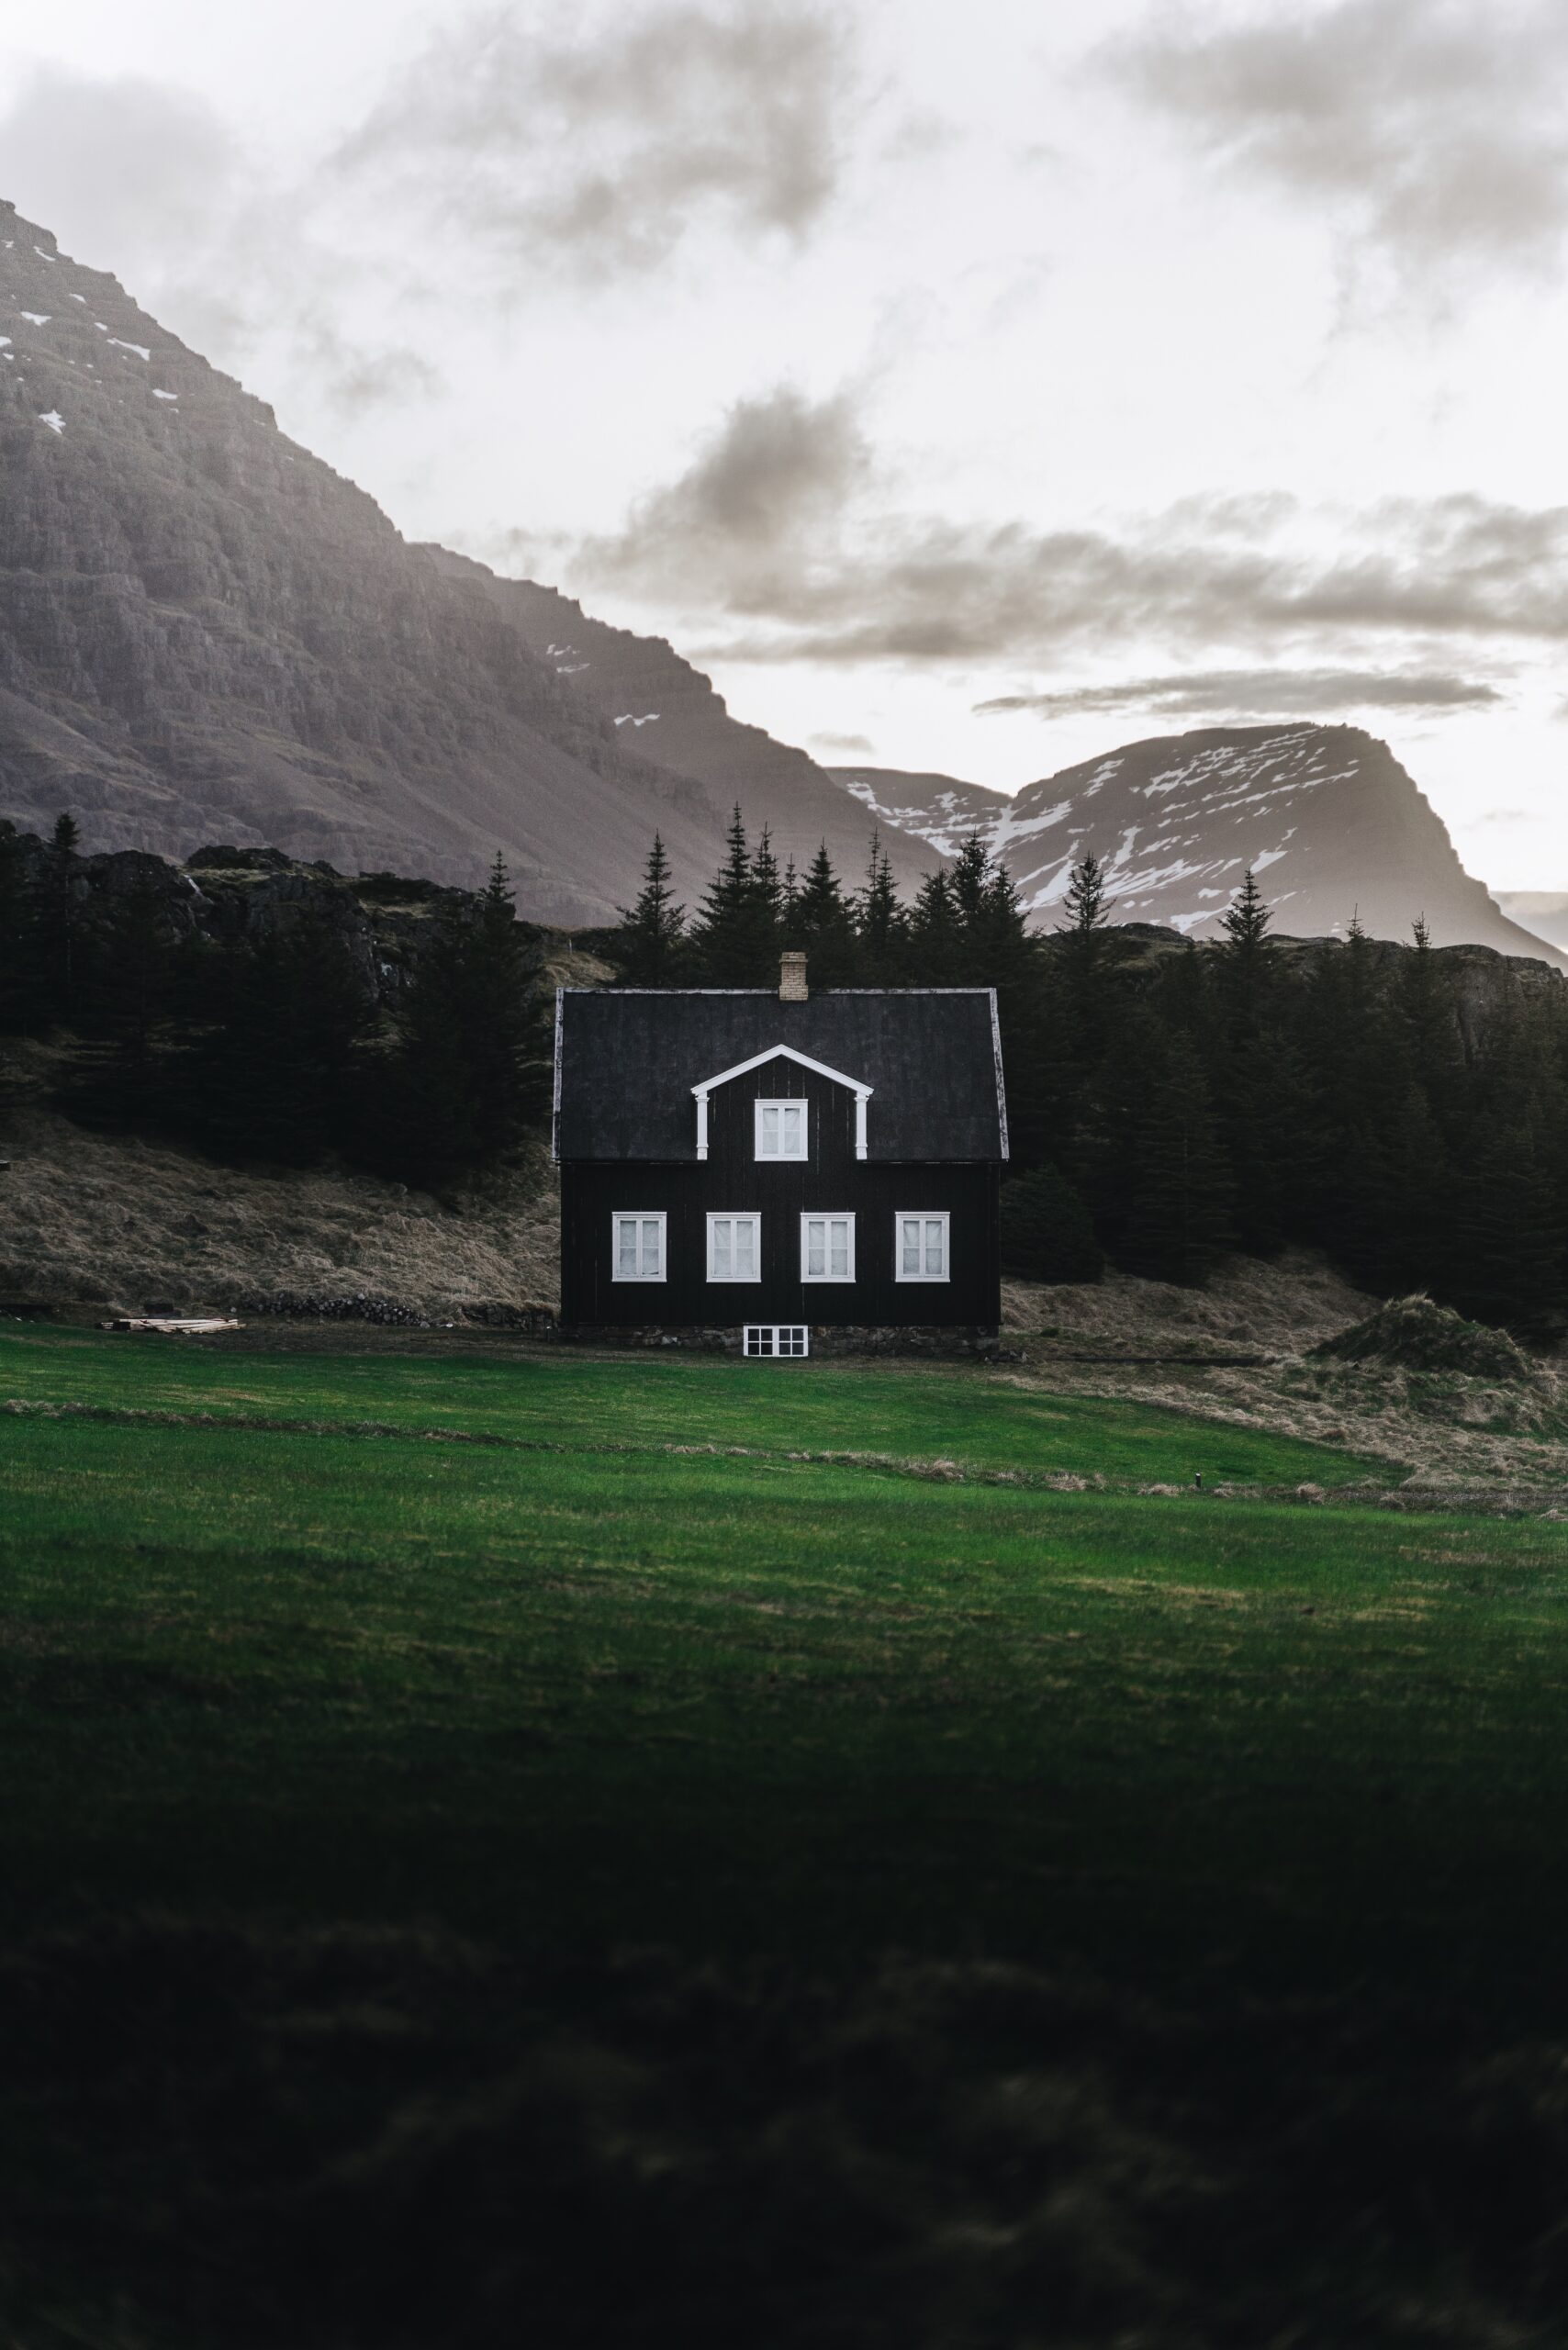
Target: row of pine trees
(1165, 1109)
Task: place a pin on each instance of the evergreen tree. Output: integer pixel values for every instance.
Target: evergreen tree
(278, 1074)
(1047, 1234)
(17, 976)
(650, 950)
(822, 924)
(880, 924)
(768, 888)
(57, 924)
(935, 939)
(1245, 922)
(736, 944)
(131, 999)
(1088, 915)
(473, 1062)
(1179, 1216)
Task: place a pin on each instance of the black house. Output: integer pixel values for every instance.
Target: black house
(775, 1163)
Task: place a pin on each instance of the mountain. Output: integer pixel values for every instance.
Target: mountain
(1325, 816)
(206, 633)
(1544, 912)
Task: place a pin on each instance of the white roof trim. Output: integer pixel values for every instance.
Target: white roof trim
(862, 1092)
(787, 1053)
(1001, 1088)
(555, 1095)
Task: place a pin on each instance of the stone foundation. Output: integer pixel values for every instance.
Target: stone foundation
(828, 1338)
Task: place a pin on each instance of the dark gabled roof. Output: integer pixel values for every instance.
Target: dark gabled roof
(626, 1059)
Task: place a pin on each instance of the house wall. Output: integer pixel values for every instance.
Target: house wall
(830, 1179)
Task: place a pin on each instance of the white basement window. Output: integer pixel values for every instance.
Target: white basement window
(734, 1248)
(827, 1247)
(920, 1248)
(780, 1129)
(639, 1247)
(775, 1338)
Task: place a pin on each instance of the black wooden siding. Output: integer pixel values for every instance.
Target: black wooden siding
(830, 1180)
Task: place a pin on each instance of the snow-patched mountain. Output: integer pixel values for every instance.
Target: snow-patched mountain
(206, 634)
(1326, 817)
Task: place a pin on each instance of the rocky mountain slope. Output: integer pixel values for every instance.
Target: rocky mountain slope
(1325, 816)
(207, 634)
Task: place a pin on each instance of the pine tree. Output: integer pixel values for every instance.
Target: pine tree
(1179, 1218)
(936, 940)
(473, 1064)
(58, 924)
(767, 888)
(821, 923)
(276, 1070)
(650, 950)
(131, 997)
(18, 977)
(1088, 915)
(1047, 1235)
(880, 924)
(736, 943)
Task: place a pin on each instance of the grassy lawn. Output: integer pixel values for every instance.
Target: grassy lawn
(790, 1814)
(921, 1412)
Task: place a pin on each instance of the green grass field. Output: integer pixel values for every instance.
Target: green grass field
(419, 1738)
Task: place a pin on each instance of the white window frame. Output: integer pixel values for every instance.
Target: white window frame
(736, 1215)
(776, 1341)
(922, 1216)
(781, 1102)
(820, 1215)
(639, 1216)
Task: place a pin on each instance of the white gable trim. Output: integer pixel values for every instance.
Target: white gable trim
(786, 1052)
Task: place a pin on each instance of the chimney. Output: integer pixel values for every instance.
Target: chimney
(792, 977)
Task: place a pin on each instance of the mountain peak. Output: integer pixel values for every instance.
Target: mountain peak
(1325, 815)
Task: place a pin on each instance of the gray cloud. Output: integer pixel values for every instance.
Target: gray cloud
(1258, 693)
(80, 153)
(598, 146)
(859, 747)
(1433, 128)
(768, 534)
(741, 526)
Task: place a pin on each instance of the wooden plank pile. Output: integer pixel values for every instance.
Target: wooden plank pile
(173, 1325)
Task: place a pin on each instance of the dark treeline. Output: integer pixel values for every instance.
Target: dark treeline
(1169, 1105)
(274, 1047)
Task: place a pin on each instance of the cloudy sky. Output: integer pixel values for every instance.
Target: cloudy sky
(967, 388)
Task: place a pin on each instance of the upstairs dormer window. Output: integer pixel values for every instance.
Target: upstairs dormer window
(780, 1130)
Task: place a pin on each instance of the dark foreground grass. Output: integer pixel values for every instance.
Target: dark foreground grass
(477, 1894)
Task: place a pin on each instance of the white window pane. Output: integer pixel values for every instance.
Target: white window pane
(840, 1257)
(650, 1244)
(626, 1247)
(769, 1133)
(816, 1248)
(794, 1137)
(933, 1246)
(745, 1248)
(722, 1248)
(912, 1244)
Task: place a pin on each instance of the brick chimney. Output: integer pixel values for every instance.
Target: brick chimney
(792, 977)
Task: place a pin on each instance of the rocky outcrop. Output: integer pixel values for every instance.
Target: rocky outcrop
(231, 895)
(1328, 819)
